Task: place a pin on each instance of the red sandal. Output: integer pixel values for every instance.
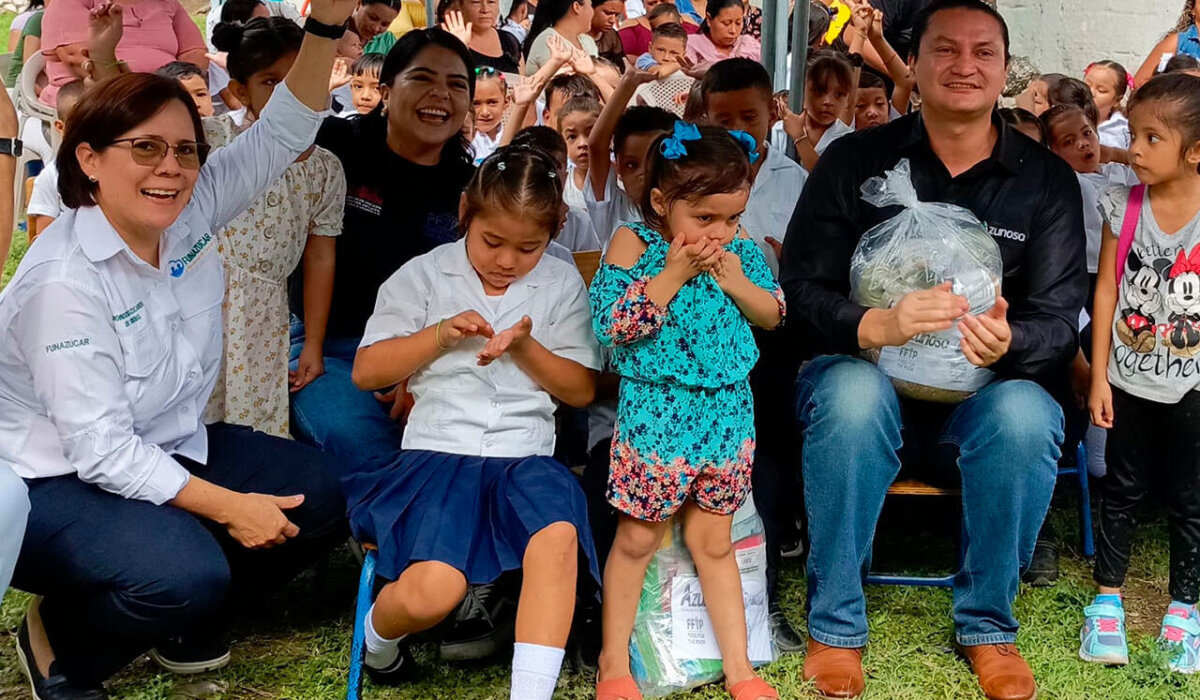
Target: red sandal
(753, 689)
(618, 689)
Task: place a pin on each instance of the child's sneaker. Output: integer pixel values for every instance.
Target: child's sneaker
(1102, 639)
(1181, 633)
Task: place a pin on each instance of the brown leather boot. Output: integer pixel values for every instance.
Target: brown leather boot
(1002, 673)
(837, 672)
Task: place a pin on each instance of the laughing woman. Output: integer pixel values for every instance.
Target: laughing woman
(144, 521)
(406, 165)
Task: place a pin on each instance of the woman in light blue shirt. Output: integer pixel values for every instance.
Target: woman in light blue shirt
(142, 518)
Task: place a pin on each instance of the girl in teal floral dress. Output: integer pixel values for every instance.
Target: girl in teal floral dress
(674, 301)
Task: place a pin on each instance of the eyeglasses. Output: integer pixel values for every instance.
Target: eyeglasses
(148, 150)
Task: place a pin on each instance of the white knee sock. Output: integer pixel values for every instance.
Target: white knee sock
(381, 652)
(534, 671)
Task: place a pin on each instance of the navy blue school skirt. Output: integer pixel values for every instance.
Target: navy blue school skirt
(475, 514)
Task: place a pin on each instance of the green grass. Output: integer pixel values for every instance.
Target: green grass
(297, 647)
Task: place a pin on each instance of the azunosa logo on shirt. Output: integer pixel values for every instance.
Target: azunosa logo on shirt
(179, 265)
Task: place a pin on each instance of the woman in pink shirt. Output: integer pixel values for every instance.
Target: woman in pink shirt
(721, 35)
(156, 33)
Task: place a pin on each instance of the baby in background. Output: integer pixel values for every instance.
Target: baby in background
(45, 203)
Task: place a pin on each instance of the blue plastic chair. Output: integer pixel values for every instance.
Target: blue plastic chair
(916, 488)
(366, 588)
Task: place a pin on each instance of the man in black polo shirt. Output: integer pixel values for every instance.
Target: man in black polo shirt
(1004, 442)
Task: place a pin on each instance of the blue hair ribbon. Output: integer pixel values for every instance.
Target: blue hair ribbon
(672, 147)
(748, 143)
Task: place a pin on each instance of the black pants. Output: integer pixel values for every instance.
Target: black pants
(774, 480)
(121, 575)
(1153, 448)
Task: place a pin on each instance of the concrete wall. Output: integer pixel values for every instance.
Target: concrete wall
(1066, 35)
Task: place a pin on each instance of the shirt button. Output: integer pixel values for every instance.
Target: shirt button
(174, 325)
(184, 409)
(495, 404)
(193, 374)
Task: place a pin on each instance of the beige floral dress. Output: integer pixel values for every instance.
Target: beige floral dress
(259, 249)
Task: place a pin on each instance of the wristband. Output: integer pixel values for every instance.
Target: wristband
(325, 31)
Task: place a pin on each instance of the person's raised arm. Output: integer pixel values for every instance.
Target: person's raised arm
(600, 140)
(8, 173)
(308, 79)
(1146, 72)
(1103, 310)
(895, 64)
(527, 92)
(192, 48)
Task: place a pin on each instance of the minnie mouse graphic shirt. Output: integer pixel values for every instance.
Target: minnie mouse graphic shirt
(1156, 326)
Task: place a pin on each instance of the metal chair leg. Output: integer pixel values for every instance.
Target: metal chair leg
(366, 585)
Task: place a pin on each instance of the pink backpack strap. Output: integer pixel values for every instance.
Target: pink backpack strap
(1133, 212)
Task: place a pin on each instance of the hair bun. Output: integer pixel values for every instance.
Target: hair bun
(227, 36)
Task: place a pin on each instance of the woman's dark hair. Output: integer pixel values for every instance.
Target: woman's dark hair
(1122, 86)
(238, 10)
(516, 180)
(443, 7)
(1073, 91)
(828, 68)
(640, 119)
(405, 51)
(1186, 18)
(714, 8)
(664, 8)
(715, 164)
(1017, 116)
(549, 12)
(1181, 62)
(367, 64)
(818, 24)
(35, 4)
(544, 139)
(257, 44)
(105, 113)
(1175, 98)
(924, 17)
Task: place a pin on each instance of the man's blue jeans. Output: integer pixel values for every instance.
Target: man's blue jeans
(1005, 441)
(333, 415)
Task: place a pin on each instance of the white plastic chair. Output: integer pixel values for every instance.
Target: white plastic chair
(30, 107)
(665, 93)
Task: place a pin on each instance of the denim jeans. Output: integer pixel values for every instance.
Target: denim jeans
(14, 508)
(120, 575)
(1005, 442)
(332, 414)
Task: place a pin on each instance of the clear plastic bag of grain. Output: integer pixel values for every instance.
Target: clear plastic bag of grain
(924, 245)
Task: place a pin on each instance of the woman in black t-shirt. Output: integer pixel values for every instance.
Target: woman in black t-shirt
(406, 165)
(488, 45)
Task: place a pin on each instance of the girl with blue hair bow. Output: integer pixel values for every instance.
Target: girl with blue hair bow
(674, 300)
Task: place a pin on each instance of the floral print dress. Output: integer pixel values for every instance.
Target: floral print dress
(685, 420)
(259, 249)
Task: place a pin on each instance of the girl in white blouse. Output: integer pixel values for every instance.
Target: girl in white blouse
(488, 332)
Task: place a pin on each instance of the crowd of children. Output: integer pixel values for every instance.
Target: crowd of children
(486, 330)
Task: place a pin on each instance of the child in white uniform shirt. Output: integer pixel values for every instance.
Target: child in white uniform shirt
(614, 188)
(487, 332)
(1109, 81)
(45, 203)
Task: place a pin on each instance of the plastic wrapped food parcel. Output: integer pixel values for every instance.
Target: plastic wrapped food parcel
(926, 244)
